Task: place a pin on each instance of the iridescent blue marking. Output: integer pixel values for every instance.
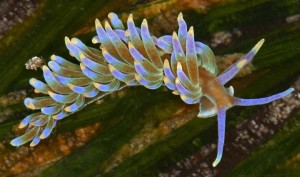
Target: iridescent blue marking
(72, 48)
(95, 66)
(95, 76)
(115, 21)
(92, 93)
(153, 87)
(145, 75)
(117, 64)
(64, 98)
(164, 45)
(150, 68)
(182, 77)
(168, 73)
(173, 62)
(81, 89)
(181, 88)
(188, 100)
(39, 85)
(135, 53)
(148, 84)
(170, 84)
(119, 45)
(50, 110)
(149, 45)
(63, 62)
(110, 87)
(182, 31)
(63, 71)
(176, 44)
(27, 119)
(121, 34)
(104, 39)
(132, 83)
(75, 81)
(76, 105)
(121, 76)
(53, 83)
(48, 129)
(133, 34)
(169, 79)
(191, 58)
(38, 102)
(167, 38)
(80, 45)
(60, 115)
(62, 80)
(35, 141)
(41, 121)
(141, 70)
(28, 136)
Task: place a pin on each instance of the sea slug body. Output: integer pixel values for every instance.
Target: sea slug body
(131, 56)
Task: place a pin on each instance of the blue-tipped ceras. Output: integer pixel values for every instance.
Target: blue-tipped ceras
(131, 56)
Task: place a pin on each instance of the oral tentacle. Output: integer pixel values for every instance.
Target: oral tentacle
(221, 135)
(259, 101)
(230, 72)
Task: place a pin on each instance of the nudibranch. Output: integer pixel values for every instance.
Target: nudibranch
(131, 56)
